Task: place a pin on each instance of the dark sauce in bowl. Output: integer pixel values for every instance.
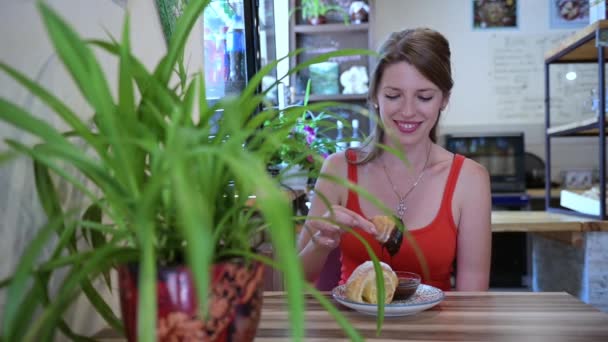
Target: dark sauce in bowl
(407, 286)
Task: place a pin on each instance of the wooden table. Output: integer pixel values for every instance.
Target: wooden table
(462, 316)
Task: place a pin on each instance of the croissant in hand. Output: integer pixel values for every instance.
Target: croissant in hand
(388, 233)
(361, 285)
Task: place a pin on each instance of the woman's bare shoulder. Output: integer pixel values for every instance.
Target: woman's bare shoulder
(474, 178)
(473, 169)
(473, 198)
(335, 164)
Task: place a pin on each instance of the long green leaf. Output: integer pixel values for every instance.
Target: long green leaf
(196, 226)
(53, 102)
(126, 107)
(7, 156)
(83, 66)
(42, 327)
(150, 88)
(126, 100)
(96, 237)
(50, 202)
(36, 296)
(350, 331)
(88, 75)
(342, 321)
(254, 83)
(69, 260)
(24, 121)
(47, 194)
(43, 159)
(189, 101)
(276, 212)
(81, 63)
(15, 294)
(101, 306)
(203, 105)
(147, 305)
(44, 154)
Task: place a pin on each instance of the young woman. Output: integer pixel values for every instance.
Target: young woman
(443, 199)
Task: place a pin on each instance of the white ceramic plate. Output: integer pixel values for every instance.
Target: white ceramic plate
(426, 297)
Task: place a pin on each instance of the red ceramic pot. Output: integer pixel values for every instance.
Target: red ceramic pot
(234, 303)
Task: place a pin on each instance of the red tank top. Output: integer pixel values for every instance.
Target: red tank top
(436, 241)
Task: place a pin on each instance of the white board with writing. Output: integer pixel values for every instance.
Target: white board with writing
(517, 77)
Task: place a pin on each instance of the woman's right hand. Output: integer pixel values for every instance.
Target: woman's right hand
(327, 234)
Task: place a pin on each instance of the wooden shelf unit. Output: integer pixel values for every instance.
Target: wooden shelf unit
(333, 35)
(336, 97)
(579, 47)
(333, 27)
(584, 46)
(584, 127)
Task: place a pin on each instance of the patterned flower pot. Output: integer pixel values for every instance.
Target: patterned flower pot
(318, 20)
(235, 301)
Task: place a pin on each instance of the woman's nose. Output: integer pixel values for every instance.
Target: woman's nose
(408, 108)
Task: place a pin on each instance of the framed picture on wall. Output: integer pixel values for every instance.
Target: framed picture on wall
(568, 13)
(494, 14)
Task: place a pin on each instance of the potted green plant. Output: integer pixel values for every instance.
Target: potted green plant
(161, 191)
(315, 11)
(307, 145)
(298, 161)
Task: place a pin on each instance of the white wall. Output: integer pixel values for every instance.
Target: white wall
(26, 46)
(474, 102)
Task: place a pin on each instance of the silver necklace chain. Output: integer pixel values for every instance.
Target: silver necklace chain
(401, 207)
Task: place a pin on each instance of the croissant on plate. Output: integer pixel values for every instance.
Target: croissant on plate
(361, 285)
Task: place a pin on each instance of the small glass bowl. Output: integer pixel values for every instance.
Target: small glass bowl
(408, 283)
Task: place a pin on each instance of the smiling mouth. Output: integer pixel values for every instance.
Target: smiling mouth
(407, 127)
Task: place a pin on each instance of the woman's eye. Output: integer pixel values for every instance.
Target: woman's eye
(425, 98)
(391, 97)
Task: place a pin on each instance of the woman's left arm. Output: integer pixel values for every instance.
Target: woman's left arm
(474, 246)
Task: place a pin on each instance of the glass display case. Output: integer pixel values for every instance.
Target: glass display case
(224, 48)
(237, 39)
